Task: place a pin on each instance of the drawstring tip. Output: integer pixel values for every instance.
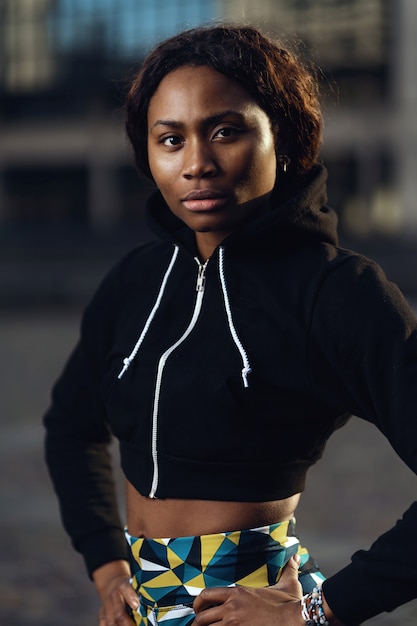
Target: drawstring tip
(126, 363)
(245, 372)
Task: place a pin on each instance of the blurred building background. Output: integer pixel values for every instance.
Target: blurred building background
(70, 199)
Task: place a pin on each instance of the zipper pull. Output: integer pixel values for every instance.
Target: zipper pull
(201, 277)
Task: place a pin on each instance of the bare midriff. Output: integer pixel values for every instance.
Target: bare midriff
(154, 518)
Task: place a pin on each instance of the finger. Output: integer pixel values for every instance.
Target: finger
(288, 581)
(212, 615)
(129, 595)
(211, 597)
(115, 613)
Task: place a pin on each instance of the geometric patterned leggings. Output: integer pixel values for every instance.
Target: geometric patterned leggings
(168, 574)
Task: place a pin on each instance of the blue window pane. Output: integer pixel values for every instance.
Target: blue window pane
(124, 28)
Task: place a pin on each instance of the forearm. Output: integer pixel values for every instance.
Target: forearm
(83, 480)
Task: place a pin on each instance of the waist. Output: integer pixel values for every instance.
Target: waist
(173, 517)
(172, 571)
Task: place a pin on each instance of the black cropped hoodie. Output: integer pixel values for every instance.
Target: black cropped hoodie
(224, 380)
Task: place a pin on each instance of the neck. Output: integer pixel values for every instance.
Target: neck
(207, 243)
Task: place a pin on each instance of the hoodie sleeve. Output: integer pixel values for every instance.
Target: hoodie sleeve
(363, 359)
(77, 441)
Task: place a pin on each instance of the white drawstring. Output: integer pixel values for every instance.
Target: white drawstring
(246, 365)
(246, 370)
(127, 361)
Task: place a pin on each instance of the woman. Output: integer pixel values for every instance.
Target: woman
(224, 354)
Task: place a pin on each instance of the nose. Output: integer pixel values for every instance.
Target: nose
(199, 161)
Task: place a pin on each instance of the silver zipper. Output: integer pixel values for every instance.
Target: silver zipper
(201, 278)
(161, 365)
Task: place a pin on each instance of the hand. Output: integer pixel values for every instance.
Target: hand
(245, 606)
(115, 590)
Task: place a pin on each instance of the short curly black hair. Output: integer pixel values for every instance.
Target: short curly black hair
(275, 77)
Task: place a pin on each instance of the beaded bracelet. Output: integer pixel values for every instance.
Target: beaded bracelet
(312, 609)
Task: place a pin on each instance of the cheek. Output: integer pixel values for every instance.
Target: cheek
(163, 165)
(261, 168)
(268, 165)
(162, 170)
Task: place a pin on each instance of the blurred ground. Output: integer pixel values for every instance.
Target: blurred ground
(359, 489)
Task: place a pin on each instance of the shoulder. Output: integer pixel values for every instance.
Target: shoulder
(347, 272)
(127, 281)
(141, 259)
(355, 292)
(135, 265)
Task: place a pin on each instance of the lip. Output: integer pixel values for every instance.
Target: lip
(204, 200)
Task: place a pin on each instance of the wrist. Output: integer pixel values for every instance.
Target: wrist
(104, 574)
(316, 612)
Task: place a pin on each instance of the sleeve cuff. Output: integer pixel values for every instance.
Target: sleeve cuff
(349, 600)
(103, 547)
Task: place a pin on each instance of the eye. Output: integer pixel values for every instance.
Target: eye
(172, 141)
(226, 132)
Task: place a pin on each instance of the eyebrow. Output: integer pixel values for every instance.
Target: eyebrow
(208, 121)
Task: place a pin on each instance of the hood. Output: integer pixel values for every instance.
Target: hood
(302, 219)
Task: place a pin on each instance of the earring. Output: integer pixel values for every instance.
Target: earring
(284, 161)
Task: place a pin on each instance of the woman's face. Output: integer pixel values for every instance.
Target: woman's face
(211, 152)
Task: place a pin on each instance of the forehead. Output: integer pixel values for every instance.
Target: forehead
(190, 89)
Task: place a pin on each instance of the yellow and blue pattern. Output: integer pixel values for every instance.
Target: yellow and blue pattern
(168, 574)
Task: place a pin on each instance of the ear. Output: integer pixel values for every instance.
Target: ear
(282, 140)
